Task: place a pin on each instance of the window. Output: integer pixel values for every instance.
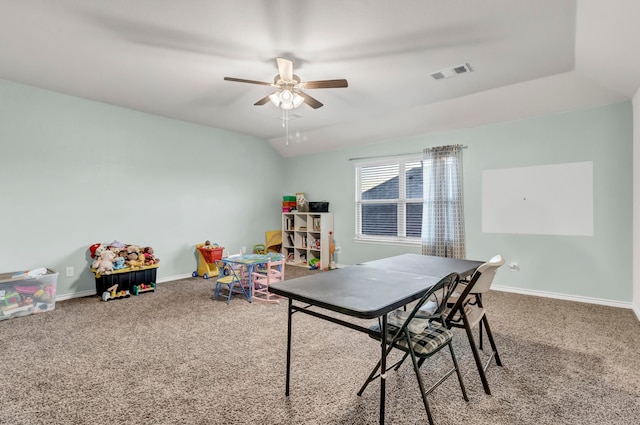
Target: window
(389, 200)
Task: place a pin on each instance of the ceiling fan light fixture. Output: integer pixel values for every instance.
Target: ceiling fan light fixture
(297, 100)
(286, 99)
(275, 98)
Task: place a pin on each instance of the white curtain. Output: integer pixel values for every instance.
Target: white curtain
(443, 213)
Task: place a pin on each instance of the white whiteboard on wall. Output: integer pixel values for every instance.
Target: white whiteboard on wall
(542, 200)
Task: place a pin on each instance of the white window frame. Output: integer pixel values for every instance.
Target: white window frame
(402, 201)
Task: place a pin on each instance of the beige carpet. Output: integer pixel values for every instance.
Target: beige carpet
(178, 357)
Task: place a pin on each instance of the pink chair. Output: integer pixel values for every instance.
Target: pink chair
(272, 272)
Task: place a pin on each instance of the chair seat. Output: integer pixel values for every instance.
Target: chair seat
(227, 279)
(424, 343)
(474, 315)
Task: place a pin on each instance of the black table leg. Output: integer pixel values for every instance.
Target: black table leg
(286, 391)
(383, 367)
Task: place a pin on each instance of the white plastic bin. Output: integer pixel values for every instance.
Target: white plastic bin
(22, 295)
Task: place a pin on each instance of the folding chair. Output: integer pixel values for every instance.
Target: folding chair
(229, 278)
(271, 273)
(420, 335)
(466, 311)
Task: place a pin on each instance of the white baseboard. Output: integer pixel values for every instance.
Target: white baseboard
(577, 298)
(176, 277)
(62, 297)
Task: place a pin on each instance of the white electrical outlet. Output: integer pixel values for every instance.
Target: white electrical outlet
(69, 271)
(514, 266)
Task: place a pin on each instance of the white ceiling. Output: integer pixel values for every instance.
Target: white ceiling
(168, 57)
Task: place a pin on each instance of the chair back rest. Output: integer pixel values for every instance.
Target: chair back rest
(438, 293)
(273, 239)
(225, 269)
(487, 272)
(274, 270)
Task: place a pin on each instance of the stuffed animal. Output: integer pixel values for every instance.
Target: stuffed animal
(134, 258)
(149, 258)
(104, 264)
(93, 248)
(118, 263)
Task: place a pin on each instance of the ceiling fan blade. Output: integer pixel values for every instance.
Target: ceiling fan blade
(285, 69)
(241, 80)
(262, 101)
(314, 103)
(324, 84)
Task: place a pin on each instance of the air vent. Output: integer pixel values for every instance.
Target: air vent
(461, 69)
(451, 72)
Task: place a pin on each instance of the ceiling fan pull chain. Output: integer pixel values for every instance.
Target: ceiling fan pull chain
(286, 120)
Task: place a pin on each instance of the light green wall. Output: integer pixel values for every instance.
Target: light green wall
(75, 172)
(595, 267)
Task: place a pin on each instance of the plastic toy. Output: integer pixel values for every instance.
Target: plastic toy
(138, 289)
(112, 293)
(207, 255)
(314, 264)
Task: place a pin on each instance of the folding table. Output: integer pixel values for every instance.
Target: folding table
(367, 291)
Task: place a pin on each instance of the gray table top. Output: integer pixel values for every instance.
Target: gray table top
(372, 289)
(426, 264)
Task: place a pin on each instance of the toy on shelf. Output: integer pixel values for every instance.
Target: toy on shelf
(208, 254)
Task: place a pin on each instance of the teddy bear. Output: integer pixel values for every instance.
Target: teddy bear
(134, 257)
(149, 258)
(104, 263)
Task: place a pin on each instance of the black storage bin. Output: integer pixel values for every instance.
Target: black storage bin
(322, 206)
(125, 280)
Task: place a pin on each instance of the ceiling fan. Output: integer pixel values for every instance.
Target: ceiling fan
(289, 94)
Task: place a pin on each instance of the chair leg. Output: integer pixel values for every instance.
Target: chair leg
(374, 372)
(402, 361)
(455, 364)
(369, 379)
(479, 302)
(230, 286)
(491, 341)
(476, 356)
(416, 369)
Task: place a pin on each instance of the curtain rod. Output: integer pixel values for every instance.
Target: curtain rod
(395, 155)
